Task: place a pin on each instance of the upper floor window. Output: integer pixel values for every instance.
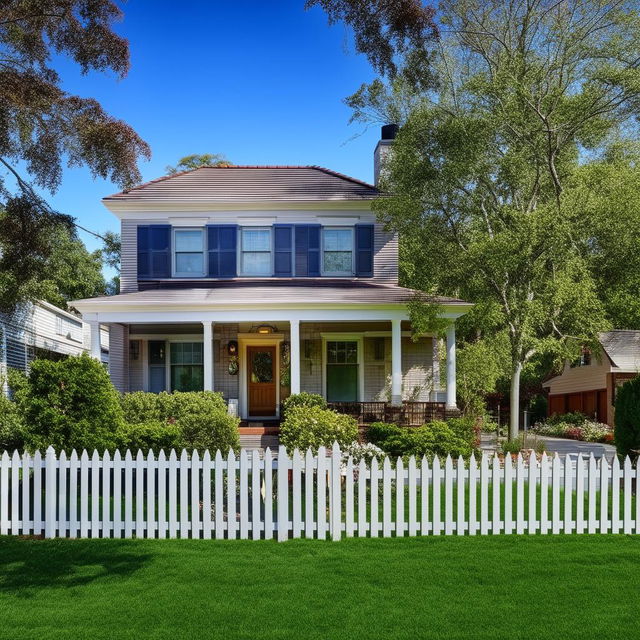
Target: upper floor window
(337, 251)
(189, 252)
(255, 252)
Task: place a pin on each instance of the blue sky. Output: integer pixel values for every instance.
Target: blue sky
(261, 82)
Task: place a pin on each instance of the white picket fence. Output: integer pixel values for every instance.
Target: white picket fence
(311, 496)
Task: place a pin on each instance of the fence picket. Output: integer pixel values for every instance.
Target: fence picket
(218, 491)
(37, 493)
(627, 471)
(336, 492)
(362, 497)
(349, 522)
(95, 494)
(296, 465)
(484, 495)
(386, 498)
(195, 494)
(256, 520)
(412, 481)
(139, 497)
(151, 496)
(568, 495)
(399, 498)
(117, 494)
(460, 482)
(637, 477)
(26, 497)
(206, 495)
(374, 527)
(162, 494)
(283, 494)
(495, 498)
(106, 496)
(128, 495)
(50, 494)
(309, 510)
(84, 494)
(232, 504)
(592, 494)
(555, 494)
(15, 492)
(615, 495)
(436, 516)
(244, 495)
(520, 473)
(580, 521)
(472, 521)
(4, 493)
(532, 518)
(448, 496)
(268, 495)
(173, 498)
(185, 522)
(604, 495)
(508, 494)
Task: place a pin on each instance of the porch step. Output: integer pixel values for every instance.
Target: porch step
(259, 441)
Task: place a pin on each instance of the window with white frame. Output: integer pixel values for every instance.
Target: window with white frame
(68, 328)
(337, 251)
(255, 245)
(188, 252)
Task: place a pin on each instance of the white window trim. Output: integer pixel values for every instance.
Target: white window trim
(174, 272)
(241, 252)
(167, 364)
(344, 337)
(338, 274)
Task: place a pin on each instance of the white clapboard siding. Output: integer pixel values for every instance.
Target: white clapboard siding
(189, 495)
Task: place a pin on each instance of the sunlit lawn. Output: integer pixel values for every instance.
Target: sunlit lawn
(448, 587)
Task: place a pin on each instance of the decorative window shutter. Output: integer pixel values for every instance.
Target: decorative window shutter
(222, 242)
(154, 251)
(307, 254)
(282, 249)
(364, 250)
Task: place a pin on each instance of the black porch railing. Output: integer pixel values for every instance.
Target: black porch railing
(409, 414)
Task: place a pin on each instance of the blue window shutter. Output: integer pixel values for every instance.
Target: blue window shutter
(307, 253)
(154, 251)
(144, 269)
(222, 240)
(364, 250)
(282, 249)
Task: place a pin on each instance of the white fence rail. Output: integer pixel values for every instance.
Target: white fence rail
(313, 496)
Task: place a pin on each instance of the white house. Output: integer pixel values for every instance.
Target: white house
(260, 281)
(42, 330)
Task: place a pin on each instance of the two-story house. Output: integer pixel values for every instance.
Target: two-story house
(260, 281)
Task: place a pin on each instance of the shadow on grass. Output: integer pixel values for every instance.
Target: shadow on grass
(27, 565)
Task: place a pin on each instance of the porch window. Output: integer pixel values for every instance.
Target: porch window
(342, 371)
(337, 251)
(189, 252)
(256, 252)
(187, 369)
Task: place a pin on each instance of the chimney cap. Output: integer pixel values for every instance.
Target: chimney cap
(389, 132)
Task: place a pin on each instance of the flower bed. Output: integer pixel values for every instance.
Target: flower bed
(574, 426)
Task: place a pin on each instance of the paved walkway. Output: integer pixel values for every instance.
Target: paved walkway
(562, 446)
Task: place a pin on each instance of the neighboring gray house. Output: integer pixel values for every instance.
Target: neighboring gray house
(42, 330)
(260, 281)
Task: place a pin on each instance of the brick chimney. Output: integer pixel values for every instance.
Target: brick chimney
(387, 136)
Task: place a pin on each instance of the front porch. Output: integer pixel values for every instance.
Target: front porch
(372, 369)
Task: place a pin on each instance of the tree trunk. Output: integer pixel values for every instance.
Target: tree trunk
(514, 401)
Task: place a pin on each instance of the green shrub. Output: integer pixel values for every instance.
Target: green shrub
(213, 430)
(11, 425)
(312, 426)
(153, 435)
(574, 418)
(511, 446)
(304, 399)
(142, 406)
(627, 418)
(466, 428)
(380, 431)
(70, 404)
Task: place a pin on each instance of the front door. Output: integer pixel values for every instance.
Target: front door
(261, 381)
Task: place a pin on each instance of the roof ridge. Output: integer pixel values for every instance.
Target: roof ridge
(316, 167)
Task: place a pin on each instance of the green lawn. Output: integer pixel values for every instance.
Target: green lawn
(483, 587)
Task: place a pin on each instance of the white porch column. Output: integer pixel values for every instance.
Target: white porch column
(451, 366)
(96, 350)
(208, 355)
(294, 355)
(396, 362)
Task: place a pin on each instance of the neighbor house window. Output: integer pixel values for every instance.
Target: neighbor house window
(337, 251)
(342, 371)
(189, 252)
(187, 370)
(256, 252)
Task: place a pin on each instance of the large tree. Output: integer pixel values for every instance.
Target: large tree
(42, 127)
(486, 172)
(196, 160)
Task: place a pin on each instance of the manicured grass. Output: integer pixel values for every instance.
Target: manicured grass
(483, 587)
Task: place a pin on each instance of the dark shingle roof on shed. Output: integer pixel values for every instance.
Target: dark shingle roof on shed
(623, 348)
(251, 184)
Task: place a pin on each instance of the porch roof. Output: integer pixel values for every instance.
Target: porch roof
(268, 293)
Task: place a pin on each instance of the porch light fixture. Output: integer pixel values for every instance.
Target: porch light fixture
(265, 329)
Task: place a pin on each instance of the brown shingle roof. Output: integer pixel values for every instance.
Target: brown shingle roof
(249, 183)
(623, 347)
(268, 293)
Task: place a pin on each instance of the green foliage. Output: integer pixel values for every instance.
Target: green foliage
(312, 427)
(627, 418)
(196, 160)
(478, 367)
(437, 438)
(142, 406)
(212, 430)
(153, 435)
(12, 426)
(512, 446)
(574, 426)
(70, 404)
(304, 399)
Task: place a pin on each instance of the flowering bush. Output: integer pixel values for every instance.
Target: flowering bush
(586, 430)
(362, 451)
